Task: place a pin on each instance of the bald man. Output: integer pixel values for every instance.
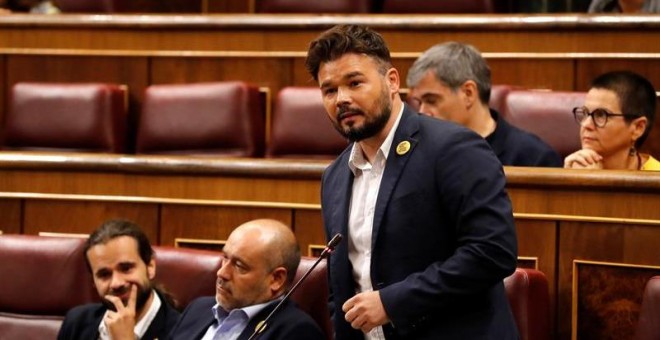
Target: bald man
(261, 259)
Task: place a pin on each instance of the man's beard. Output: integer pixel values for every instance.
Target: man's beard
(143, 294)
(371, 126)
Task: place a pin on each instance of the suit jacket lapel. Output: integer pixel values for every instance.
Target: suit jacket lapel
(408, 126)
(261, 316)
(341, 186)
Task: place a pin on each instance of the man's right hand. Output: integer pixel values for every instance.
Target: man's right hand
(121, 323)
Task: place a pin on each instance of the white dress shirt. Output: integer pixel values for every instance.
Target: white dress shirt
(361, 213)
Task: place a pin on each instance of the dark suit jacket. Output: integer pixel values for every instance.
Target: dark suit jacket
(83, 322)
(288, 323)
(517, 147)
(443, 236)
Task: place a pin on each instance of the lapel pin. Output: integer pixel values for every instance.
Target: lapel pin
(403, 148)
(261, 326)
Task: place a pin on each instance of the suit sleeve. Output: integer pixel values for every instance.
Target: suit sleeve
(471, 185)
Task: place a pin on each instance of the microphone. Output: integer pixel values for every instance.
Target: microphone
(329, 248)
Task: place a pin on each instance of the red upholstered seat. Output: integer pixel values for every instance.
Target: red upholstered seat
(438, 6)
(648, 327)
(315, 6)
(312, 295)
(300, 127)
(223, 118)
(498, 95)
(66, 117)
(547, 114)
(527, 290)
(186, 273)
(43, 277)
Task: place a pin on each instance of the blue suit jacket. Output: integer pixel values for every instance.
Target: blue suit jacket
(288, 323)
(443, 236)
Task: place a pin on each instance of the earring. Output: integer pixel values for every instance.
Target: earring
(632, 151)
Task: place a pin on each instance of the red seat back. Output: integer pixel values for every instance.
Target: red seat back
(66, 117)
(224, 118)
(648, 327)
(300, 127)
(527, 290)
(547, 114)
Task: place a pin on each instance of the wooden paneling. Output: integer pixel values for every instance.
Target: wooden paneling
(273, 73)
(3, 90)
(537, 238)
(308, 225)
(404, 33)
(209, 222)
(610, 242)
(11, 212)
(607, 299)
(554, 74)
(83, 217)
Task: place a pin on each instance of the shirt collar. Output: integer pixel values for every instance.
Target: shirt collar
(358, 162)
(220, 313)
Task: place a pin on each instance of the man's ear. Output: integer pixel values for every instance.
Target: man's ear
(151, 269)
(470, 93)
(278, 279)
(638, 126)
(393, 80)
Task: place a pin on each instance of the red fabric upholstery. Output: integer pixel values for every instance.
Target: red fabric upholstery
(527, 290)
(548, 115)
(187, 273)
(312, 295)
(66, 117)
(224, 118)
(43, 278)
(648, 327)
(438, 6)
(498, 95)
(300, 127)
(306, 6)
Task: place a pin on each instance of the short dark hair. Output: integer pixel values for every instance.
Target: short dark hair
(115, 228)
(636, 96)
(343, 39)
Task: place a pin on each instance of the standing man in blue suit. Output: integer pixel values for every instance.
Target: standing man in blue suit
(422, 202)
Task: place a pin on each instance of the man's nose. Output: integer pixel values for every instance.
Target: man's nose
(343, 96)
(118, 281)
(424, 109)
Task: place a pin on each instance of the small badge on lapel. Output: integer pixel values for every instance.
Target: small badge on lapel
(261, 326)
(403, 148)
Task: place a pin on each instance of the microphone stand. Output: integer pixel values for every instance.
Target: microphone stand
(329, 248)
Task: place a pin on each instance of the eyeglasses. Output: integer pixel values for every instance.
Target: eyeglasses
(599, 116)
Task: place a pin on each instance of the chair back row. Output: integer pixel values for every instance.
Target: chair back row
(229, 119)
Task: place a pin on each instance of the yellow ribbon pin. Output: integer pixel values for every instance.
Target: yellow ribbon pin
(403, 148)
